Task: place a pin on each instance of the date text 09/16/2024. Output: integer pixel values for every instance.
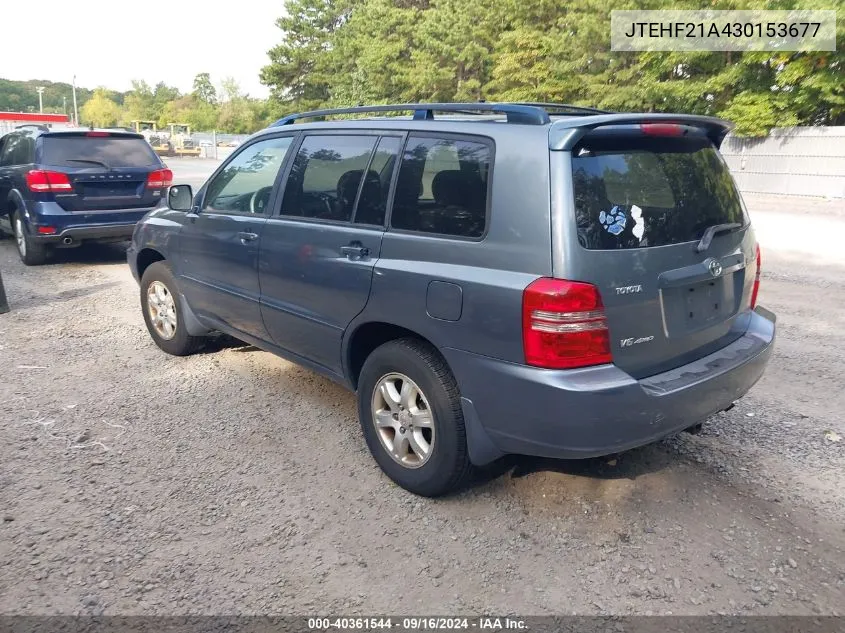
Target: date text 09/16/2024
(416, 623)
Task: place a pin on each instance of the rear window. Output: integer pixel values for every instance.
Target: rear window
(111, 151)
(650, 192)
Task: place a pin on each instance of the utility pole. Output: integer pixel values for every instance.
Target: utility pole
(64, 105)
(40, 91)
(75, 110)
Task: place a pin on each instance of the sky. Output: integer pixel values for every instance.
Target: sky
(109, 43)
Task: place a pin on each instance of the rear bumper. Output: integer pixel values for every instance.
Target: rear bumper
(107, 224)
(90, 232)
(512, 408)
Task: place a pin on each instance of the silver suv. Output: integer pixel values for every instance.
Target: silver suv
(488, 278)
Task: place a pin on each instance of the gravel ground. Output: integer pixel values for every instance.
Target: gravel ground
(137, 483)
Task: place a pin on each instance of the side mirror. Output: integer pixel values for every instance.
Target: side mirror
(180, 197)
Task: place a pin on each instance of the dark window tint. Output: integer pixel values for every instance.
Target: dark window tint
(442, 187)
(19, 149)
(245, 184)
(8, 146)
(81, 151)
(641, 193)
(372, 200)
(326, 176)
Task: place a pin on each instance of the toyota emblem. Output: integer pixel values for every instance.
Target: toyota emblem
(714, 267)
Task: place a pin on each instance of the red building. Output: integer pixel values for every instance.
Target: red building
(10, 120)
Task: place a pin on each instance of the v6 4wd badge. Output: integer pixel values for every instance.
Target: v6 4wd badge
(627, 342)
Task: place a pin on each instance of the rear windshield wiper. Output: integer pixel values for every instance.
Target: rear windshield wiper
(711, 232)
(87, 160)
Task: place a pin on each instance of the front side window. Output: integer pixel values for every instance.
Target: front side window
(442, 187)
(326, 176)
(245, 184)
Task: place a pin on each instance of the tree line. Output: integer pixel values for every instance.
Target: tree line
(206, 107)
(345, 52)
(21, 96)
(348, 52)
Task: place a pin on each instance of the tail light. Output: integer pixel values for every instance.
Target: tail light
(48, 181)
(756, 287)
(159, 179)
(564, 325)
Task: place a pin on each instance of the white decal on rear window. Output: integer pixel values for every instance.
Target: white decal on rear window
(639, 225)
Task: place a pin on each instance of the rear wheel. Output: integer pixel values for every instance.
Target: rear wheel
(163, 311)
(32, 253)
(410, 412)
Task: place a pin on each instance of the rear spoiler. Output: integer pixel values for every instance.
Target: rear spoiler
(565, 134)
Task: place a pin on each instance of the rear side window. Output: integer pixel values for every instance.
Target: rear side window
(442, 187)
(326, 175)
(641, 193)
(109, 151)
(7, 147)
(19, 149)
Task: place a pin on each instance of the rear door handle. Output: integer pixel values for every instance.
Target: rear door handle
(247, 237)
(355, 251)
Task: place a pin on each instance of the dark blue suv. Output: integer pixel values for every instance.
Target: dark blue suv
(59, 188)
(509, 278)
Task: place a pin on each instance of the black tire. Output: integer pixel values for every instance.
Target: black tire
(32, 253)
(448, 468)
(181, 343)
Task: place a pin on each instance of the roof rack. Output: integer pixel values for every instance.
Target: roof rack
(515, 112)
(564, 108)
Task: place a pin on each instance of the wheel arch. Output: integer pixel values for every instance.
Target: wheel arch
(146, 257)
(366, 337)
(14, 201)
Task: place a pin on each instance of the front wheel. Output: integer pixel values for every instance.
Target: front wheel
(163, 311)
(410, 412)
(32, 253)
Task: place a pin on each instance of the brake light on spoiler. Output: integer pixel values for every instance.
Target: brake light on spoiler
(564, 325)
(159, 179)
(43, 181)
(662, 129)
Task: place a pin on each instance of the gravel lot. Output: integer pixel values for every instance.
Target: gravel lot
(137, 483)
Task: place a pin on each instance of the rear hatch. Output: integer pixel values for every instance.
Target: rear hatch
(663, 233)
(107, 170)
